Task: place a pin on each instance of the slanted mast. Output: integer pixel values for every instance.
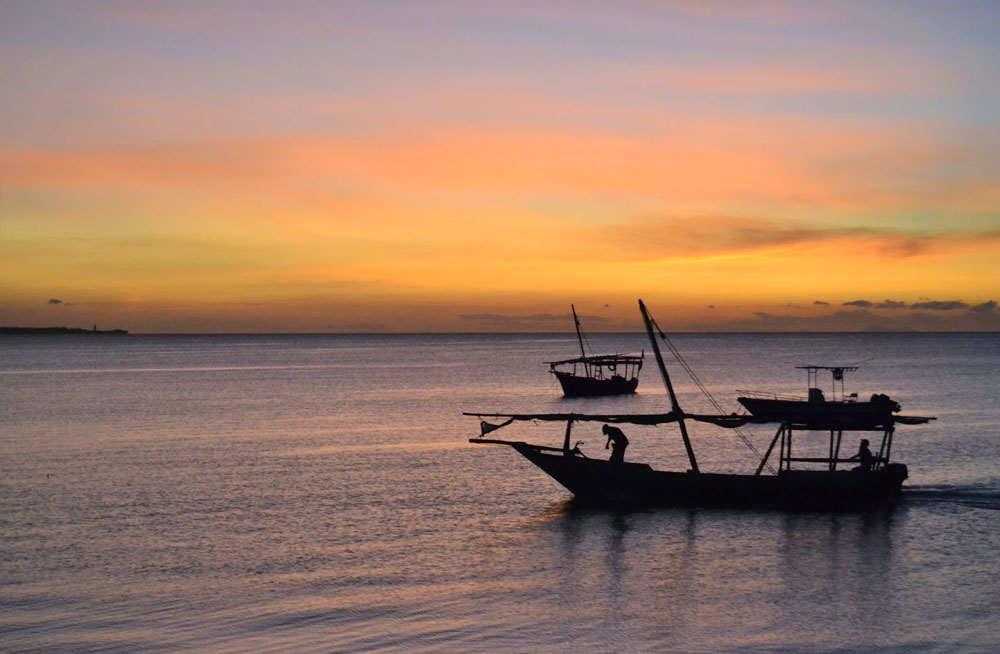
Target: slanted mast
(579, 335)
(670, 387)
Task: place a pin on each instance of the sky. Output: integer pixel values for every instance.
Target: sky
(307, 166)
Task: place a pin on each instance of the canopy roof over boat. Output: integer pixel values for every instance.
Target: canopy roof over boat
(836, 371)
(731, 421)
(603, 360)
(833, 368)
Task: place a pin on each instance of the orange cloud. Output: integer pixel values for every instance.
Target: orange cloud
(690, 163)
(463, 213)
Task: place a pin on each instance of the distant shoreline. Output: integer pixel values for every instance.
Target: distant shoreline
(58, 330)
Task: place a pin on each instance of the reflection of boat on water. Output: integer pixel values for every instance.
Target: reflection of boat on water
(844, 411)
(595, 375)
(818, 488)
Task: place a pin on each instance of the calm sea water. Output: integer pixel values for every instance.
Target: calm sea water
(319, 494)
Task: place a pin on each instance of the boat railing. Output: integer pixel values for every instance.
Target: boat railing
(603, 360)
(877, 463)
(761, 395)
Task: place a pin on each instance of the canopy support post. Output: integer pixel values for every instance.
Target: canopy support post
(781, 451)
(836, 451)
(830, 465)
(763, 461)
(884, 447)
(788, 450)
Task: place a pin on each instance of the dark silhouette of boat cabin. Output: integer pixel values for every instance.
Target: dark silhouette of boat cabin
(826, 486)
(596, 375)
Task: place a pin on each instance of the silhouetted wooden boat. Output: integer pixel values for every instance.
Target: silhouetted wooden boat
(844, 411)
(626, 483)
(596, 375)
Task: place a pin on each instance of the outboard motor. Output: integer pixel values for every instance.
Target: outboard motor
(816, 395)
(886, 401)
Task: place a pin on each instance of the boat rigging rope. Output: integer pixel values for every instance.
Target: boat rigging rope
(586, 342)
(701, 387)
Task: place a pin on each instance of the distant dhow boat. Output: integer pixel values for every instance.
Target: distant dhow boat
(596, 375)
(875, 482)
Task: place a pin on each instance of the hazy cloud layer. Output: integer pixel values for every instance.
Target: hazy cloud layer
(975, 319)
(884, 304)
(939, 305)
(542, 318)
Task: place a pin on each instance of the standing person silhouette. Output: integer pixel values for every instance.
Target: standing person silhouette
(617, 441)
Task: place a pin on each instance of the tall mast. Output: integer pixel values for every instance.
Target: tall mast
(670, 388)
(579, 337)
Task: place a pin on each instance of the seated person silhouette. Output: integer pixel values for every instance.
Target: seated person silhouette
(864, 456)
(617, 441)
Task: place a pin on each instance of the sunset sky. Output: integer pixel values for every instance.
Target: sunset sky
(477, 166)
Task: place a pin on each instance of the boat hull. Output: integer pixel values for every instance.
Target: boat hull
(637, 484)
(820, 415)
(576, 386)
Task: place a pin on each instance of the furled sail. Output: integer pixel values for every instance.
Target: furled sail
(485, 427)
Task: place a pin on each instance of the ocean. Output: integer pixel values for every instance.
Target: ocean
(318, 493)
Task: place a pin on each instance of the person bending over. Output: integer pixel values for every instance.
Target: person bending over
(616, 441)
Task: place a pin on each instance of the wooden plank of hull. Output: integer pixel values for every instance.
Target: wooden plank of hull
(600, 481)
(576, 386)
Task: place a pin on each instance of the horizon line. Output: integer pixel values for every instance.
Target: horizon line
(123, 333)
